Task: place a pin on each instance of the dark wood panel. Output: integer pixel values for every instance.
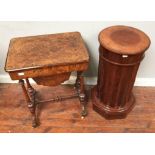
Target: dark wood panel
(120, 52)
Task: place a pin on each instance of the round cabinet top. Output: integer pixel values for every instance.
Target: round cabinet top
(124, 40)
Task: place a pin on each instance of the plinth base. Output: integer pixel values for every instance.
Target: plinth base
(110, 112)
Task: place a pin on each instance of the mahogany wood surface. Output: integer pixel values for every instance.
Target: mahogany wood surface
(64, 116)
(124, 40)
(120, 53)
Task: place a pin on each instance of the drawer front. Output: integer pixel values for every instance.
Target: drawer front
(47, 71)
(120, 59)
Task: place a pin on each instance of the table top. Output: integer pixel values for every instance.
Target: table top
(45, 51)
(124, 40)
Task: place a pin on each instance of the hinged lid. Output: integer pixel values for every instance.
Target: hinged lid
(124, 40)
(45, 51)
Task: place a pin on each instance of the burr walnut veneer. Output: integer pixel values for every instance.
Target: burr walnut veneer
(49, 61)
(120, 53)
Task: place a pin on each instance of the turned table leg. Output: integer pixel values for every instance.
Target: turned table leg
(30, 98)
(79, 85)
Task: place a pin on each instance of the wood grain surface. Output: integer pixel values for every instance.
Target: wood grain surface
(124, 40)
(46, 50)
(113, 95)
(64, 117)
(120, 52)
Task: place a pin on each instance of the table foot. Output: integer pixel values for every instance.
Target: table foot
(83, 104)
(34, 122)
(32, 109)
(83, 113)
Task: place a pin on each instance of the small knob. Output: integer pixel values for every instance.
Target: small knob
(124, 56)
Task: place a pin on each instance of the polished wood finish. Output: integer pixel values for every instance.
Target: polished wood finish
(47, 54)
(49, 61)
(46, 51)
(120, 53)
(124, 40)
(64, 116)
(46, 71)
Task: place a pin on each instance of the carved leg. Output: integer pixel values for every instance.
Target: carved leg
(30, 98)
(80, 89)
(32, 105)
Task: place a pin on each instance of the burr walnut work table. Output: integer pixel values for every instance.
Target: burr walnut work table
(49, 61)
(120, 53)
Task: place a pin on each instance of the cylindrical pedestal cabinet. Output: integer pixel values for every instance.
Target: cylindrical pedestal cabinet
(120, 53)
